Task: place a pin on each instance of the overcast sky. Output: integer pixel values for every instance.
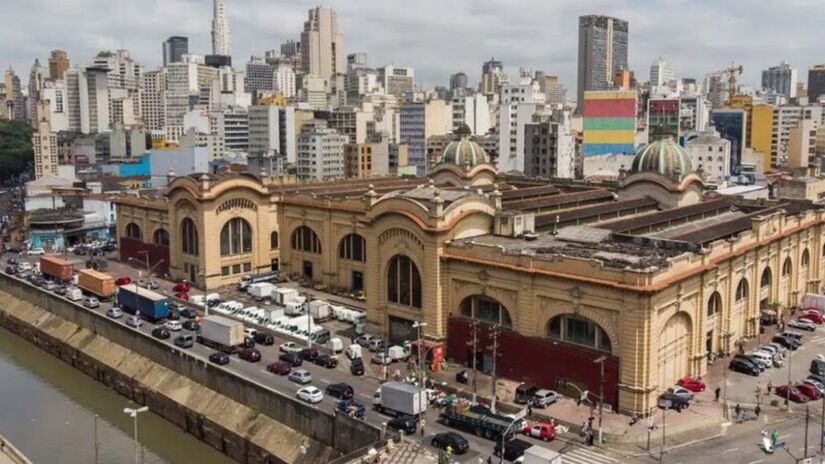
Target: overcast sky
(436, 37)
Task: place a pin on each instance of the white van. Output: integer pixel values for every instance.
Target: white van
(336, 345)
(354, 351)
(74, 294)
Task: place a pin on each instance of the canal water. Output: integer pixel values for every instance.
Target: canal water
(48, 409)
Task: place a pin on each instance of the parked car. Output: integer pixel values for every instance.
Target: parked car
(152, 285)
(264, 339)
(808, 390)
(813, 316)
(787, 342)
(381, 359)
(356, 367)
(817, 367)
(513, 449)
(11, 270)
(693, 384)
(289, 347)
(174, 326)
(541, 430)
(250, 354)
(185, 341)
(280, 368)
(310, 395)
(376, 345)
(182, 287)
(364, 340)
(340, 390)
(456, 442)
(325, 360)
(802, 324)
(174, 315)
(134, 321)
(543, 398)
(681, 391)
(37, 251)
(351, 408)
(114, 312)
(301, 376)
(404, 424)
(291, 358)
(820, 387)
(792, 393)
(220, 358)
(677, 402)
(308, 354)
(182, 296)
(191, 326)
(161, 333)
(123, 281)
(91, 302)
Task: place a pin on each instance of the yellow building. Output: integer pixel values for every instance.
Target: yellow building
(652, 272)
(760, 131)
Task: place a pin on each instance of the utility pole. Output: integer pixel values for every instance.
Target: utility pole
(788, 393)
(494, 334)
(600, 362)
(807, 421)
(649, 429)
(474, 343)
(97, 444)
(664, 433)
(822, 431)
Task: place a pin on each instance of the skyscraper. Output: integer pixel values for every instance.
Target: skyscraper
(492, 77)
(322, 44)
(221, 44)
(780, 79)
(458, 81)
(660, 73)
(816, 82)
(58, 64)
(14, 97)
(603, 43)
(44, 143)
(174, 48)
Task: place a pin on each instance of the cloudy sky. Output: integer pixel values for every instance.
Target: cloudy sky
(436, 37)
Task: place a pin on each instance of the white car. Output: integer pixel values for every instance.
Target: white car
(37, 251)
(114, 312)
(289, 347)
(134, 321)
(802, 324)
(310, 395)
(681, 391)
(174, 326)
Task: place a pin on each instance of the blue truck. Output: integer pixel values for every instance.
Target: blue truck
(136, 300)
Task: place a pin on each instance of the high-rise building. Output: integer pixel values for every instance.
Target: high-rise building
(58, 64)
(44, 142)
(174, 48)
(710, 152)
(785, 118)
(259, 76)
(322, 44)
(603, 43)
(781, 79)
(397, 80)
(716, 90)
(153, 99)
(15, 103)
(231, 124)
(492, 77)
(731, 125)
(816, 82)
(472, 111)
(458, 81)
(520, 103)
(760, 132)
(420, 120)
(694, 113)
(221, 44)
(802, 144)
(284, 80)
(660, 73)
(554, 91)
(549, 148)
(272, 129)
(37, 79)
(320, 153)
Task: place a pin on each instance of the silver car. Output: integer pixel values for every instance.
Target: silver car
(802, 324)
(301, 376)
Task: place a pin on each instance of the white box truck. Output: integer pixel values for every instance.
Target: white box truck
(320, 310)
(261, 290)
(221, 333)
(400, 398)
(282, 295)
(293, 308)
(541, 455)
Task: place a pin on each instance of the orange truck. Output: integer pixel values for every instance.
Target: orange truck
(97, 283)
(56, 268)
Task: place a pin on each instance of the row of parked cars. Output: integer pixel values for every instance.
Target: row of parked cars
(811, 388)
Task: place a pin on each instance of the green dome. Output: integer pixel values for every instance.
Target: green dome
(665, 157)
(464, 151)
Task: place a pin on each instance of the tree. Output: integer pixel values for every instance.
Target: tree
(16, 153)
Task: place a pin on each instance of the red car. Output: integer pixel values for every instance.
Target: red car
(693, 384)
(793, 393)
(123, 281)
(812, 316)
(541, 430)
(182, 296)
(182, 287)
(280, 368)
(808, 390)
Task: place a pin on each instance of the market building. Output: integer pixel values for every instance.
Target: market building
(650, 272)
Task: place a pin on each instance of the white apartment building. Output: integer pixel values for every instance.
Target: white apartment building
(694, 113)
(321, 154)
(519, 103)
(153, 99)
(710, 152)
(44, 142)
(786, 118)
(472, 110)
(232, 124)
(314, 91)
(661, 74)
(802, 144)
(54, 91)
(397, 80)
(283, 78)
(272, 129)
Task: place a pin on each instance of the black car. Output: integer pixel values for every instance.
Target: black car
(174, 315)
(326, 360)
(456, 442)
(308, 354)
(403, 424)
(291, 358)
(12, 262)
(339, 390)
(817, 367)
(513, 449)
(357, 367)
(250, 355)
(188, 313)
(11, 270)
(219, 358)
(161, 333)
(758, 363)
(677, 402)
(191, 326)
(265, 339)
(787, 342)
(740, 365)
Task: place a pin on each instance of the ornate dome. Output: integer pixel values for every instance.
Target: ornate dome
(463, 151)
(665, 157)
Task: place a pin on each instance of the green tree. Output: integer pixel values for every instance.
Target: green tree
(16, 153)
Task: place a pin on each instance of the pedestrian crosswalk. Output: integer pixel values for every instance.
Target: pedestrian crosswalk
(585, 456)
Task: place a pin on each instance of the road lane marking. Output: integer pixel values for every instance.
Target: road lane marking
(730, 450)
(324, 380)
(782, 437)
(757, 461)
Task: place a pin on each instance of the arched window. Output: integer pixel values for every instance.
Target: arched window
(578, 330)
(714, 304)
(786, 267)
(742, 290)
(161, 237)
(189, 237)
(806, 258)
(273, 240)
(403, 282)
(767, 276)
(486, 309)
(236, 237)
(353, 247)
(133, 231)
(305, 239)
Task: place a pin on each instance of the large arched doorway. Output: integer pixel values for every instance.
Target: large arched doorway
(714, 308)
(487, 310)
(741, 309)
(674, 350)
(765, 283)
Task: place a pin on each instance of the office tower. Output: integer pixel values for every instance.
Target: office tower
(58, 64)
(472, 111)
(660, 73)
(458, 81)
(731, 125)
(816, 82)
(14, 105)
(520, 103)
(694, 115)
(554, 91)
(284, 80)
(153, 99)
(94, 100)
(259, 76)
(356, 61)
(221, 44)
(174, 48)
(419, 120)
(785, 118)
(272, 130)
(37, 78)
(609, 122)
(492, 77)
(397, 80)
(320, 153)
(124, 80)
(44, 142)
(780, 79)
(322, 44)
(603, 43)
(802, 144)
(716, 90)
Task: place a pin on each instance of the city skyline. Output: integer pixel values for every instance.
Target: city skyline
(706, 37)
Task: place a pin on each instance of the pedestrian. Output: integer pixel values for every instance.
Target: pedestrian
(737, 410)
(770, 387)
(716, 393)
(529, 409)
(489, 460)
(423, 423)
(757, 410)
(480, 460)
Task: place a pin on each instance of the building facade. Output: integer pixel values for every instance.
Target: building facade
(322, 44)
(174, 48)
(781, 79)
(816, 82)
(221, 41)
(609, 122)
(603, 43)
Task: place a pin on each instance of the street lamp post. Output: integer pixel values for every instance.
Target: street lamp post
(309, 320)
(133, 413)
(725, 385)
(600, 361)
(418, 326)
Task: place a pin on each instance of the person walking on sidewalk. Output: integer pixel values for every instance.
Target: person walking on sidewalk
(716, 393)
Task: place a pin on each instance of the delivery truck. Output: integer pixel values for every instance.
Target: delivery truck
(135, 300)
(248, 280)
(261, 290)
(814, 301)
(400, 399)
(56, 268)
(478, 419)
(221, 333)
(282, 296)
(97, 283)
(320, 310)
(541, 455)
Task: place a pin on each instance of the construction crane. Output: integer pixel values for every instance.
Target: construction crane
(731, 71)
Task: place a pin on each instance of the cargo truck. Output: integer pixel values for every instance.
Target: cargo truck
(478, 420)
(221, 333)
(97, 283)
(261, 290)
(282, 296)
(541, 455)
(135, 300)
(320, 310)
(400, 399)
(248, 280)
(56, 268)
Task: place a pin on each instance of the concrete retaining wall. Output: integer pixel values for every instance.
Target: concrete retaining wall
(339, 432)
(10, 454)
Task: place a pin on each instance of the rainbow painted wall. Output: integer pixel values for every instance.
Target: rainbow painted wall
(609, 122)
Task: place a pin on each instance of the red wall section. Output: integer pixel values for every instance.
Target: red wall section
(600, 108)
(131, 248)
(537, 360)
